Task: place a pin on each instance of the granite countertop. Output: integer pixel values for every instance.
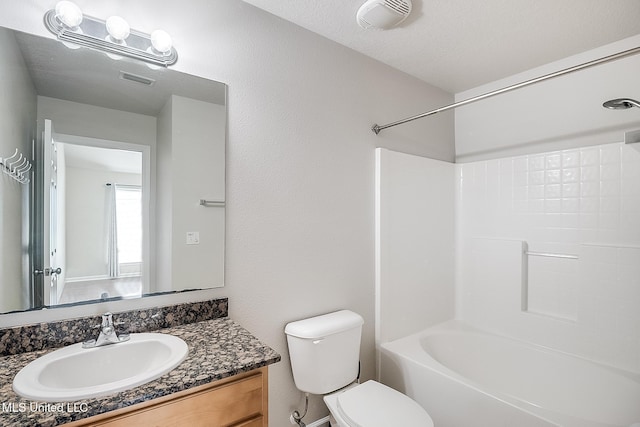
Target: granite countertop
(218, 349)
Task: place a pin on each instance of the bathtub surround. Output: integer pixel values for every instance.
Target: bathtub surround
(28, 338)
(583, 202)
(579, 206)
(414, 243)
(218, 349)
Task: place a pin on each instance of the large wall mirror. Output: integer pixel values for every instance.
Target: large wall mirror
(113, 182)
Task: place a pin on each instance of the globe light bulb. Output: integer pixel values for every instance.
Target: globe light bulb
(69, 14)
(117, 28)
(161, 41)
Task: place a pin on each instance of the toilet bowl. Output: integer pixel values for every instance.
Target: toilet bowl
(372, 404)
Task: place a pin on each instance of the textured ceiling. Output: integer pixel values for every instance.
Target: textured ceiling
(460, 44)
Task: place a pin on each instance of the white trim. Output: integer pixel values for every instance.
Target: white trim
(86, 278)
(104, 277)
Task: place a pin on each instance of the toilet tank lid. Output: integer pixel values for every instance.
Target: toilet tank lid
(324, 325)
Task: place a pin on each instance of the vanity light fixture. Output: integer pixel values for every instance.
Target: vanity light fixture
(113, 36)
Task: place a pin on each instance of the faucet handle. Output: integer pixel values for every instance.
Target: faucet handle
(108, 333)
(108, 319)
(107, 323)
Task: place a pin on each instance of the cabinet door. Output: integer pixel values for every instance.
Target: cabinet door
(237, 403)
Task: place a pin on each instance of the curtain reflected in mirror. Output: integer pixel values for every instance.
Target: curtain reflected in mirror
(125, 231)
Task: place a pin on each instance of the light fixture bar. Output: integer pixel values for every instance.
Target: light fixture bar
(92, 33)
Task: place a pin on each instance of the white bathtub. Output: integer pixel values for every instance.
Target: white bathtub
(466, 377)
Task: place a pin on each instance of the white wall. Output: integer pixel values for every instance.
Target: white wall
(73, 118)
(300, 162)
(414, 243)
(582, 202)
(198, 133)
(164, 180)
(17, 127)
(562, 113)
(87, 220)
(191, 166)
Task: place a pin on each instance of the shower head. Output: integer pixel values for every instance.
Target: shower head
(621, 104)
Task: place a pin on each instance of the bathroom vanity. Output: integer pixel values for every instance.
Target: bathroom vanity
(222, 382)
(238, 401)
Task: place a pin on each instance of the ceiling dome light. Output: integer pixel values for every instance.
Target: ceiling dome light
(69, 14)
(161, 41)
(117, 28)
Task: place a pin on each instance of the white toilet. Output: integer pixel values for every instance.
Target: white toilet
(325, 354)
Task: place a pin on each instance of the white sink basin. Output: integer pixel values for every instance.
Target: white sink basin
(74, 373)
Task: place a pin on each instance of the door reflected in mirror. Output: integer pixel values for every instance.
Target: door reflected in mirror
(100, 198)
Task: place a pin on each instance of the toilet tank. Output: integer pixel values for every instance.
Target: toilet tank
(325, 351)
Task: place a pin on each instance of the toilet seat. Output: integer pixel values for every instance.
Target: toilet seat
(372, 404)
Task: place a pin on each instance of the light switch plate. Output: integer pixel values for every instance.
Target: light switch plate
(193, 237)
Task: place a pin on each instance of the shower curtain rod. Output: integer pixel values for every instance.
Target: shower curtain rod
(377, 128)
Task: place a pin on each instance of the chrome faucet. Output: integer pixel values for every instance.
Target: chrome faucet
(107, 335)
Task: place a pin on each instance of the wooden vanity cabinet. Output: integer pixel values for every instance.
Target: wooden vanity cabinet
(238, 401)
